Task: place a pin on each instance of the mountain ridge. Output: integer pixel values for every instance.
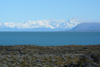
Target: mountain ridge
(82, 27)
(87, 26)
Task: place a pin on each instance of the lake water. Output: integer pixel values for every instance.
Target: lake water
(49, 38)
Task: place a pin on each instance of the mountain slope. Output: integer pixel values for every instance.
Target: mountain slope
(93, 26)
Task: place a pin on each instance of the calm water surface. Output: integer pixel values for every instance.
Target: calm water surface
(49, 38)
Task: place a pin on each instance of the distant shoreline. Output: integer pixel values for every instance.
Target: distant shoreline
(50, 45)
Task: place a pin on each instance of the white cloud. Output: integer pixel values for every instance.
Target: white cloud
(53, 24)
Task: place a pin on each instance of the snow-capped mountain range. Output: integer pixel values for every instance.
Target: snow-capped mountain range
(51, 25)
(40, 25)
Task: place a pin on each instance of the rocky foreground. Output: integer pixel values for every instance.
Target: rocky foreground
(50, 56)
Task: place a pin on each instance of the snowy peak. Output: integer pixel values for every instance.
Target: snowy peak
(52, 25)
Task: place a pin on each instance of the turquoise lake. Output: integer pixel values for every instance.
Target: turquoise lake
(49, 38)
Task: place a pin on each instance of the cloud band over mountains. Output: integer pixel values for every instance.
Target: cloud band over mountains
(53, 24)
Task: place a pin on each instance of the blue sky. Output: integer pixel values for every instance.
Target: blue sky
(22, 10)
(16, 11)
